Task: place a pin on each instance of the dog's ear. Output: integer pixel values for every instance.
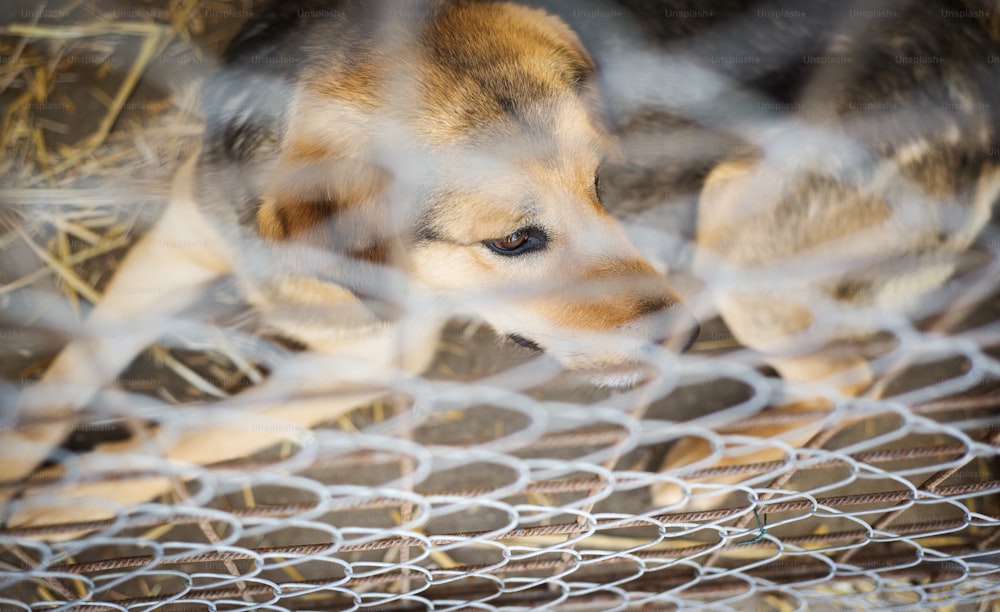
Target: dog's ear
(579, 68)
(333, 204)
(329, 219)
(580, 71)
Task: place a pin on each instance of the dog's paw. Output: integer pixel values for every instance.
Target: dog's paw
(750, 452)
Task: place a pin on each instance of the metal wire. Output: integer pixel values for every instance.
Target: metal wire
(477, 491)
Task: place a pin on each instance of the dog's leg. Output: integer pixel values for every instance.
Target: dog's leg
(302, 393)
(851, 375)
(158, 277)
(739, 222)
(217, 438)
(313, 389)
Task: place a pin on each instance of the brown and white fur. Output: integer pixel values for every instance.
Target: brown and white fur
(844, 216)
(411, 139)
(437, 154)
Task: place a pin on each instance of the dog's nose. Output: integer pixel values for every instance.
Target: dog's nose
(684, 331)
(680, 327)
(692, 336)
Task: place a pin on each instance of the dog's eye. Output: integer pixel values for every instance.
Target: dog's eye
(512, 242)
(520, 242)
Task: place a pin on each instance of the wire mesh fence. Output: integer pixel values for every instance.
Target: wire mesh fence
(495, 480)
(467, 507)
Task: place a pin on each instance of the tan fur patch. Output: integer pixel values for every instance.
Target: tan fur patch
(498, 102)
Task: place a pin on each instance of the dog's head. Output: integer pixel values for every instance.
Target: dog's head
(465, 150)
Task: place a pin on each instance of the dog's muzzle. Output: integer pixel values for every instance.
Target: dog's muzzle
(685, 333)
(668, 323)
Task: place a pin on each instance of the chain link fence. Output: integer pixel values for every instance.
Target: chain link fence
(494, 481)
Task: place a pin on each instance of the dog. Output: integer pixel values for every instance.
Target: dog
(474, 187)
(367, 170)
(845, 210)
